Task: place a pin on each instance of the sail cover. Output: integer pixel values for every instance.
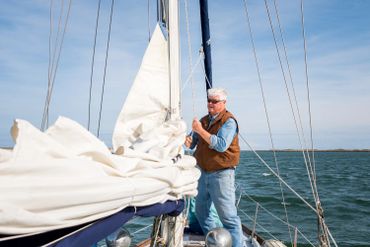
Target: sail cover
(90, 233)
(66, 176)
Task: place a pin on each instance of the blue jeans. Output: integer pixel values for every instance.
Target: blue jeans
(193, 221)
(218, 187)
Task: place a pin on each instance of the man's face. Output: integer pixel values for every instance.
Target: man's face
(215, 105)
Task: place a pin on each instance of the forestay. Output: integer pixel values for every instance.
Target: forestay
(66, 176)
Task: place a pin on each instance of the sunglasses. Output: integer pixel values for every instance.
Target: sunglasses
(214, 101)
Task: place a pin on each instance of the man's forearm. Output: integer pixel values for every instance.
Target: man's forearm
(198, 128)
(205, 135)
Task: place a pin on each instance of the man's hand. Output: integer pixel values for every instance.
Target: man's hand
(197, 126)
(188, 141)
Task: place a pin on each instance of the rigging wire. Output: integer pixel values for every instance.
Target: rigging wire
(308, 88)
(148, 14)
(50, 47)
(52, 52)
(53, 70)
(321, 220)
(274, 216)
(277, 175)
(142, 229)
(203, 69)
(265, 107)
(243, 193)
(105, 68)
(310, 171)
(308, 165)
(184, 85)
(285, 81)
(300, 132)
(259, 226)
(190, 56)
(92, 64)
(255, 220)
(283, 181)
(305, 152)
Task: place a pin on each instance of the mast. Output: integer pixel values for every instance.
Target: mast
(174, 58)
(206, 42)
(168, 16)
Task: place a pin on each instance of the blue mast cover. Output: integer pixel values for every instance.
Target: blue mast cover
(206, 42)
(85, 235)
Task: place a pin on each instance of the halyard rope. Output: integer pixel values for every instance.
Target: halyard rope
(190, 56)
(200, 58)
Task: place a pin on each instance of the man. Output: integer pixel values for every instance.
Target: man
(217, 155)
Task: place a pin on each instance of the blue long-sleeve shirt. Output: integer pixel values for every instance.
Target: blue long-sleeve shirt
(222, 140)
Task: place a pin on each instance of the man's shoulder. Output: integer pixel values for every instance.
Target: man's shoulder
(229, 115)
(231, 122)
(230, 119)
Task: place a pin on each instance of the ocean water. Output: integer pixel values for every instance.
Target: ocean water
(343, 180)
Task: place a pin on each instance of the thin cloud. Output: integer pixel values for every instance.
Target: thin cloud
(337, 58)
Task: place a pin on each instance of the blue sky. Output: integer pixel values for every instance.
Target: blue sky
(338, 46)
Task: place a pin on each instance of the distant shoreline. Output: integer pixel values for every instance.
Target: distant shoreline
(289, 150)
(315, 150)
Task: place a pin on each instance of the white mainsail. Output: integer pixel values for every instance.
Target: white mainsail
(66, 176)
(146, 105)
(142, 124)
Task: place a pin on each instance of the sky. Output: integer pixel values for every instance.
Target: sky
(338, 63)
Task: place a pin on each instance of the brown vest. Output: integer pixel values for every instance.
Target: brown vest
(210, 159)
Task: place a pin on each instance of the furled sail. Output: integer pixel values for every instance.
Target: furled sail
(66, 176)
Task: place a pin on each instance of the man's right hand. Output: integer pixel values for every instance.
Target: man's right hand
(188, 141)
(196, 125)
